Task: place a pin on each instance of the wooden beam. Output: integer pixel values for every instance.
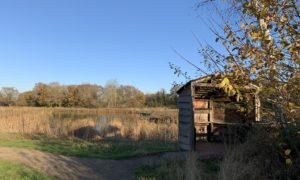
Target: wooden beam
(225, 123)
(203, 85)
(202, 111)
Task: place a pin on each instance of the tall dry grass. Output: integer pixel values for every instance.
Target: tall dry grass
(38, 121)
(69, 122)
(140, 129)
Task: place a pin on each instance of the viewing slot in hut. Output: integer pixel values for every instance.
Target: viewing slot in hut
(206, 113)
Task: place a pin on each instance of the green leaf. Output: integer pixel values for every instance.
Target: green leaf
(226, 81)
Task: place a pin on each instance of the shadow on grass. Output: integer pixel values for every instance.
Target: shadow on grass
(179, 168)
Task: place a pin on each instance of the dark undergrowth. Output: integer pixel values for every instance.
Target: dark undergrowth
(266, 154)
(180, 168)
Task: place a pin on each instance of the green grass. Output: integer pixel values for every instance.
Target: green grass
(14, 171)
(147, 172)
(113, 149)
(176, 168)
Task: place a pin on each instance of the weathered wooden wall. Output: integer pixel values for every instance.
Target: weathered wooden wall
(201, 115)
(186, 119)
(207, 110)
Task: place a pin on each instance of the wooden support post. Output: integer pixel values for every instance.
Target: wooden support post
(209, 127)
(193, 130)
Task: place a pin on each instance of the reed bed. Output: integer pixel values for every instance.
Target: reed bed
(140, 129)
(70, 122)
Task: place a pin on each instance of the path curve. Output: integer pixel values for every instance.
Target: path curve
(62, 167)
(76, 168)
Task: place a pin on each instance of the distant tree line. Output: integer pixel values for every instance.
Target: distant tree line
(161, 98)
(87, 96)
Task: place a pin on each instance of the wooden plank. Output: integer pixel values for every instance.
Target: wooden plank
(181, 143)
(183, 135)
(185, 140)
(204, 123)
(185, 147)
(226, 123)
(185, 112)
(185, 119)
(185, 95)
(195, 109)
(192, 89)
(198, 118)
(210, 106)
(185, 99)
(185, 126)
(185, 116)
(202, 111)
(218, 117)
(221, 99)
(200, 103)
(186, 91)
(185, 106)
(218, 112)
(208, 85)
(190, 110)
(184, 129)
(184, 103)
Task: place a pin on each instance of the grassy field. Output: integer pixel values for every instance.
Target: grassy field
(101, 133)
(14, 171)
(106, 149)
(96, 133)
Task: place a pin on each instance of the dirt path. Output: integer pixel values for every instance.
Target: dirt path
(63, 167)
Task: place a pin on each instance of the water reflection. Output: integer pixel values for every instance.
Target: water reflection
(102, 121)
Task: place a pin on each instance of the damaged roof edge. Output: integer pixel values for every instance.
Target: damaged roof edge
(209, 77)
(193, 80)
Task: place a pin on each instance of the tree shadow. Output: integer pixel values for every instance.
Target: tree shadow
(86, 133)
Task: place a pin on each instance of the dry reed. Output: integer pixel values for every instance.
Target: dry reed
(64, 122)
(140, 129)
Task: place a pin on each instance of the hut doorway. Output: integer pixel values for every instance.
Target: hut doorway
(208, 113)
(208, 117)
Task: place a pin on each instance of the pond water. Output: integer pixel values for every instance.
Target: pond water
(108, 122)
(103, 120)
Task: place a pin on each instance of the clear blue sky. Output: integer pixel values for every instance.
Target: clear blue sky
(79, 41)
